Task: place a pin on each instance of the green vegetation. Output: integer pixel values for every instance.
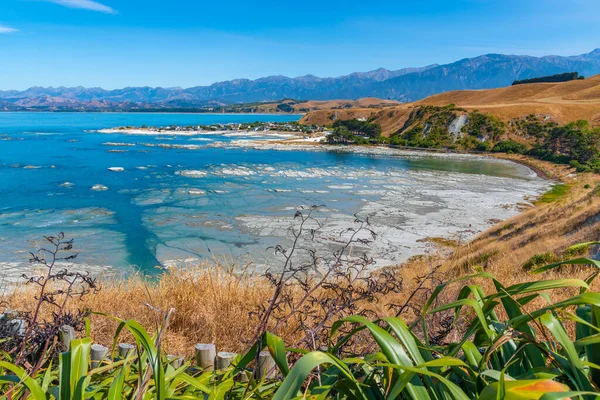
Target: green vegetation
(510, 147)
(427, 127)
(354, 131)
(285, 107)
(575, 144)
(555, 193)
(565, 77)
(430, 127)
(509, 349)
(484, 127)
(479, 261)
(539, 260)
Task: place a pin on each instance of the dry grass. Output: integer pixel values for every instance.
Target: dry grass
(547, 228)
(391, 119)
(314, 105)
(214, 304)
(565, 102)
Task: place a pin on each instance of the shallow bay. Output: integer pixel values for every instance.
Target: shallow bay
(147, 200)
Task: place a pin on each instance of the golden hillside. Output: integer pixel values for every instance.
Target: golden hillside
(316, 105)
(367, 102)
(562, 102)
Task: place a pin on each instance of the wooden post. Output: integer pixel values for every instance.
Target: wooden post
(175, 361)
(244, 376)
(224, 359)
(205, 356)
(66, 333)
(97, 354)
(125, 349)
(265, 366)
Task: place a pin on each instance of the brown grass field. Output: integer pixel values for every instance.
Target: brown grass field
(314, 105)
(214, 304)
(563, 102)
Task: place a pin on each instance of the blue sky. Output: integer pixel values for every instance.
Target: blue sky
(118, 43)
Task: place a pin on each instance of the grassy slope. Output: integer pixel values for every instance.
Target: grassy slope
(563, 102)
(313, 105)
(560, 219)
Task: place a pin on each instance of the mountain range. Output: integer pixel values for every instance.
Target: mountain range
(409, 84)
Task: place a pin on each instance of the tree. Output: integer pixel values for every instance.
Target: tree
(340, 135)
(360, 128)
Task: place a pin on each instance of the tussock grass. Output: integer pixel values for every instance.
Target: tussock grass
(212, 305)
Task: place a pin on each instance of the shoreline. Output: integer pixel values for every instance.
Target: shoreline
(310, 145)
(316, 145)
(142, 112)
(294, 141)
(530, 162)
(523, 160)
(313, 142)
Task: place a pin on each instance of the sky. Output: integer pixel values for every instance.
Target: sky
(119, 43)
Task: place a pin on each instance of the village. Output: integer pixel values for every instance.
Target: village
(279, 127)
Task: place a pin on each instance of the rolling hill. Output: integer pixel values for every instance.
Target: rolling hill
(560, 102)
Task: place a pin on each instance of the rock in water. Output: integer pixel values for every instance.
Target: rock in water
(99, 188)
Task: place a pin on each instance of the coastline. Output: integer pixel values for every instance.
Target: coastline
(297, 142)
(551, 172)
(556, 172)
(292, 140)
(143, 112)
(315, 145)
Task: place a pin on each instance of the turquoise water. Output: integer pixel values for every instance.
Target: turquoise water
(155, 212)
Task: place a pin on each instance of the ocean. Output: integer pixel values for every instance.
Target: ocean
(173, 200)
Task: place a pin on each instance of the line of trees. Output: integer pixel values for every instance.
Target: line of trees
(565, 77)
(354, 131)
(576, 144)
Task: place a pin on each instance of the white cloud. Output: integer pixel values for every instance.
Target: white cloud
(6, 29)
(86, 5)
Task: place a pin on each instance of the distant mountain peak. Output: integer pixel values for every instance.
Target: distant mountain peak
(595, 52)
(408, 84)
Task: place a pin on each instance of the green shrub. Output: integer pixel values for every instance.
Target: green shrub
(576, 251)
(510, 147)
(539, 260)
(359, 128)
(484, 127)
(285, 107)
(482, 146)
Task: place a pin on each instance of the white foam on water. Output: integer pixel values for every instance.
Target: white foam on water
(191, 173)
